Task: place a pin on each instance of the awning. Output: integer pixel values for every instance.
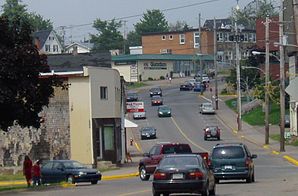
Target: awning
(129, 124)
(292, 89)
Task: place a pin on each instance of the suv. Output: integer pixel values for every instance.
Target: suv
(155, 91)
(232, 161)
(148, 164)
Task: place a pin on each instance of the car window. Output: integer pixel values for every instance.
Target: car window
(228, 152)
(180, 162)
(74, 165)
(58, 166)
(157, 150)
(176, 149)
(47, 165)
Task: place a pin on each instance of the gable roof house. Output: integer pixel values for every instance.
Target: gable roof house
(47, 42)
(79, 47)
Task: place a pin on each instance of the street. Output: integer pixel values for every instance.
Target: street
(274, 176)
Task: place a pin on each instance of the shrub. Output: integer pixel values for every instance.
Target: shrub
(162, 77)
(150, 78)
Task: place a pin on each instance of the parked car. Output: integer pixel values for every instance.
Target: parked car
(148, 133)
(212, 132)
(186, 87)
(54, 171)
(183, 173)
(139, 115)
(207, 108)
(164, 111)
(148, 164)
(155, 91)
(198, 87)
(232, 161)
(132, 96)
(156, 100)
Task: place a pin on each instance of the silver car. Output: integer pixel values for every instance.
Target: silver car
(139, 115)
(207, 108)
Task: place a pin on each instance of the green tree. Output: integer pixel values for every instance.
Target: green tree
(13, 10)
(179, 26)
(133, 39)
(109, 37)
(152, 21)
(22, 92)
(254, 10)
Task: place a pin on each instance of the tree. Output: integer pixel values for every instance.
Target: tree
(108, 37)
(254, 10)
(152, 21)
(22, 92)
(179, 26)
(13, 11)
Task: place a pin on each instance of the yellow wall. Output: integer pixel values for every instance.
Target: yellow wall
(124, 71)
(80, 120)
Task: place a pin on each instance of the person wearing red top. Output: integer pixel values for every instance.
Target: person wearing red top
(36, 173)
(27, 167)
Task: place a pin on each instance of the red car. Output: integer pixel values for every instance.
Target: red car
(212, 132)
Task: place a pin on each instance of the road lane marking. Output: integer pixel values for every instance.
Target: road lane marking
(135, 193)
(138, 147)
(187, 138)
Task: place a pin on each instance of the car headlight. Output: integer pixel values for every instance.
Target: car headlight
(169, 112)
(160, 112)
(82, 173)
(151, 92)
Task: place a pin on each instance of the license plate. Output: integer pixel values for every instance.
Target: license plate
(208, 135)
(177, 176)
(228, 167)
(148, 135)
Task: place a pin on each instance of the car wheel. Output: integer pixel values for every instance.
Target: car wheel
(143, 174)
(253, 177)
(155, 193)
(249, 178)
(218, 138)
(165, 194)
(70, 179)
(213, 192)
(94, 182)
(205, 192)
(205, 138)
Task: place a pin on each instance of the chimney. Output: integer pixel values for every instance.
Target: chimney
(75, 50)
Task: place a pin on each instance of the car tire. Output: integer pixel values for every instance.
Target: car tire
(143, 174)
(249, 178)
(70, 179)
(205, 138)
(155, 193)
(213, 191)
(218, 138)
(253, 177)
(94, 181)
(206, 192)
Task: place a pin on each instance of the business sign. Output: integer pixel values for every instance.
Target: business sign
(137, 106)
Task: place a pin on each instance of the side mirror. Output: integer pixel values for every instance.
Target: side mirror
(254, 156)
(146, 154)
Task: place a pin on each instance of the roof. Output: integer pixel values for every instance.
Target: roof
(169, 32)
(292, 89)
(42, 36)
(70, 62)
(226, 22)
(165, 57)
(86, 45)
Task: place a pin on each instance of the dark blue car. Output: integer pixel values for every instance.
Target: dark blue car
(55, 171)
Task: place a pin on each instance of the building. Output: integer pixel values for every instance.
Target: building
(47, 42)
(225, 30)
(79, 47)
(135, 68)
(178, 42)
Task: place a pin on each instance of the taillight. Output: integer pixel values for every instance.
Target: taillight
(195, 175)
(247, 162)
(160, 175)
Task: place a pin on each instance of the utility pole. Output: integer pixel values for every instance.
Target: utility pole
(215, 62)
(282, 79)
(267, 81)
(200, 54)
(124, 35)
(239, 121)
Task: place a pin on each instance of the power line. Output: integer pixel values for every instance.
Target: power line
(138, 15)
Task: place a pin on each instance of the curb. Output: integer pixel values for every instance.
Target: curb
(120, 176)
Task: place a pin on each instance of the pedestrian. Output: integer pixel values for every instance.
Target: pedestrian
(36, 173)
(170, 79)
(167, 76)
(27, 168)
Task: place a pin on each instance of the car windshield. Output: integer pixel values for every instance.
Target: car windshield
(73, 165)
(156, 98)
(132, 95)
(147, 129)
(164, 109)
(176, 149)
(228, 152)
(207, 105)
(180, 162)
(211, 128)
(155, 89)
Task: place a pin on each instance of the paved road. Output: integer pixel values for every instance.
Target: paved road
(274, 176)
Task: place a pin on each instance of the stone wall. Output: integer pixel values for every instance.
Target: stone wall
(50, 141)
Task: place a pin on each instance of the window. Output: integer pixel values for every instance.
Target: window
(196, 39)
(108, 138)
(220, 37)
(182, 38)
(252, 37)
(245, 37)
(163, 37)
(48, 48)
(103, 92)
(170, 37)
(55, 48)
(51, 38)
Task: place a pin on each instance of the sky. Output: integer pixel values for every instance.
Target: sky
(77, 16)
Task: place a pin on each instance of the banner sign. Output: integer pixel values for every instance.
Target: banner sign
(137, 106)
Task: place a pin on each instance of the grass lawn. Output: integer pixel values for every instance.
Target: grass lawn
(11, 177)
(293, 141)
(256, 117)
(13, 187)
(135, 85)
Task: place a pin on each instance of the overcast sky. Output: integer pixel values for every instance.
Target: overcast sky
(79, 14)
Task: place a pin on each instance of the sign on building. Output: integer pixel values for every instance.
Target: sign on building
(137, 106)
